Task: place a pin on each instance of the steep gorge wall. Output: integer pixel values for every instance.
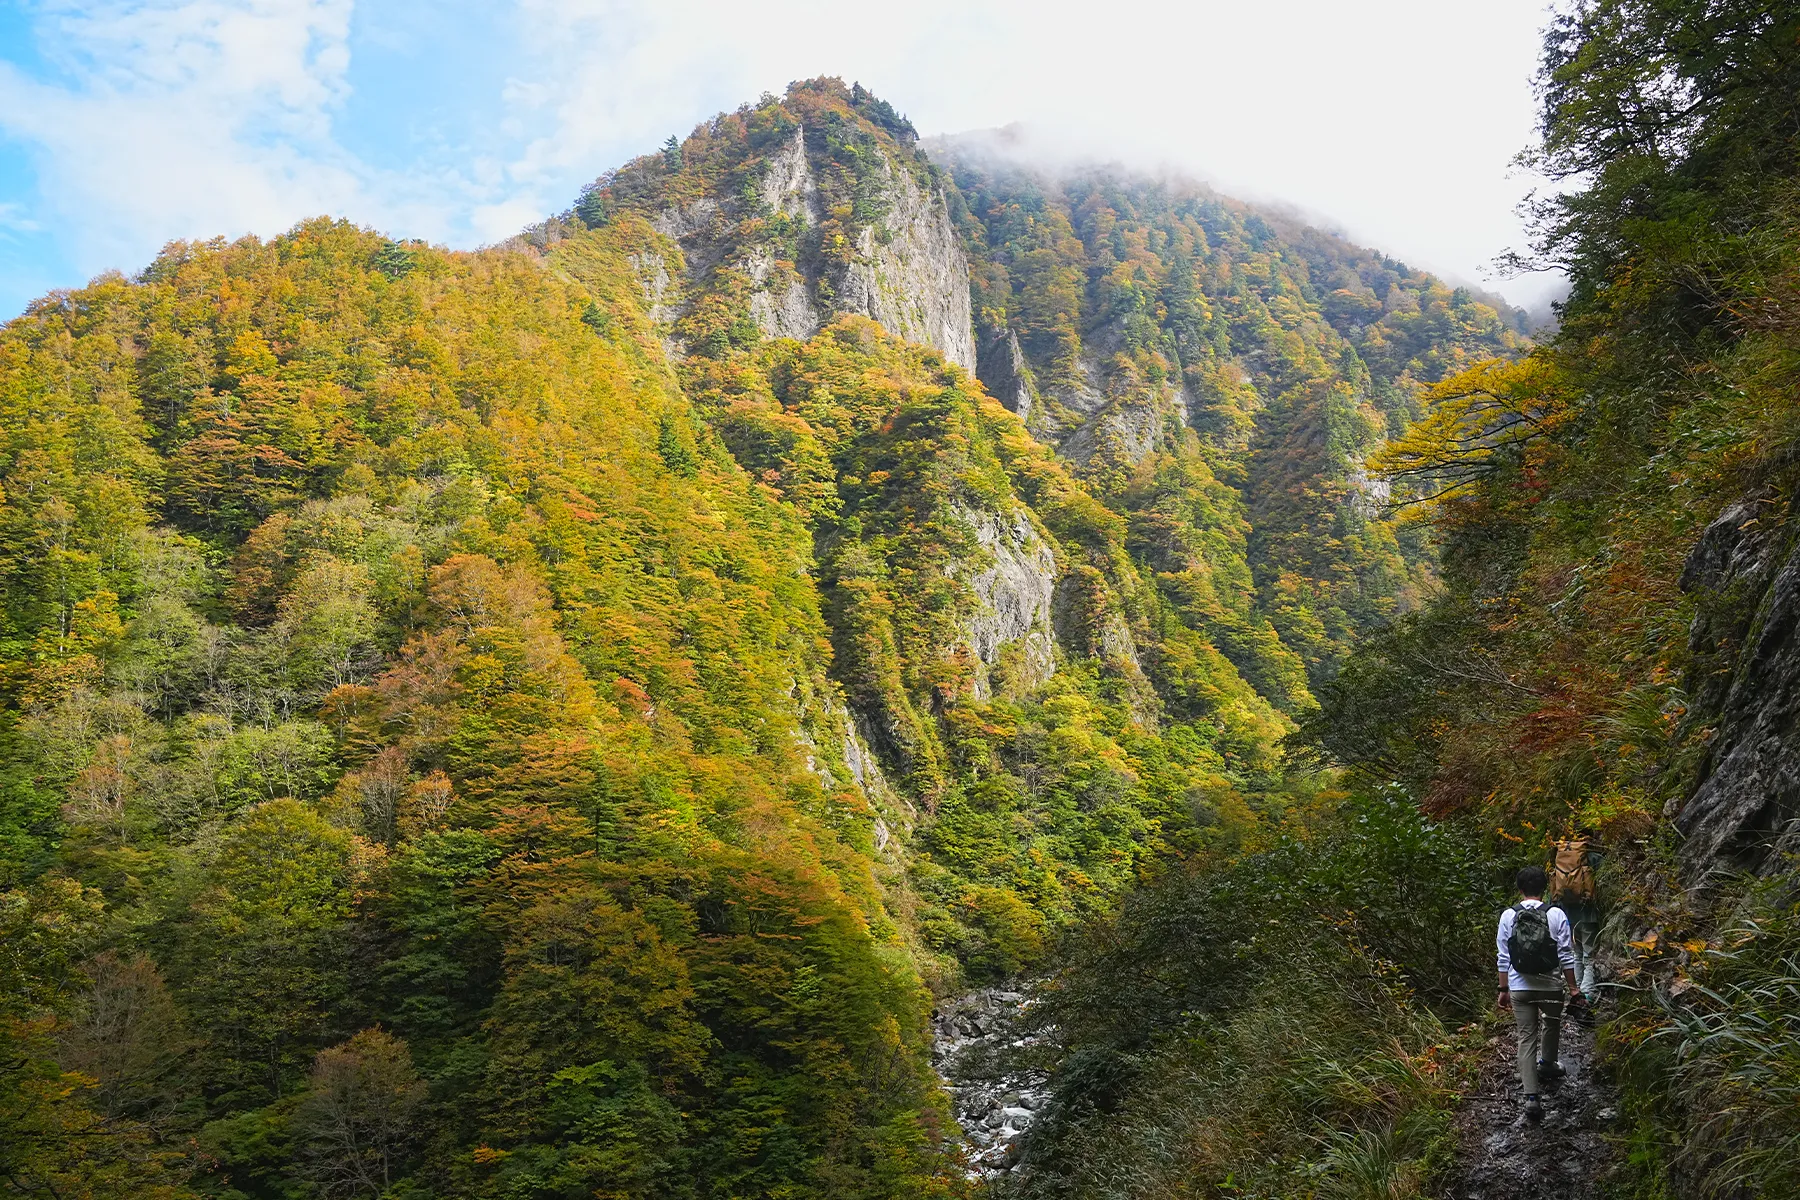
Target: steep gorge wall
(903, 268)
(1744, 690)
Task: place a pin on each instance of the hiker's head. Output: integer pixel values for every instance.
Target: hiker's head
(1530, 882)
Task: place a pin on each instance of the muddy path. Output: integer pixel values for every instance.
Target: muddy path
(1501, 1157)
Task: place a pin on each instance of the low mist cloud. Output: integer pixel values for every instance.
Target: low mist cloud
(145, 121)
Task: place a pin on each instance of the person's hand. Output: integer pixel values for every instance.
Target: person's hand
(1504, 1001)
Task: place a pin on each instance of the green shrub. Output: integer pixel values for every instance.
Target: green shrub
(1273, 1023)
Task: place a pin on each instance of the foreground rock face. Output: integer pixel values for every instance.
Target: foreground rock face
(976, 1047)
(1745, 691)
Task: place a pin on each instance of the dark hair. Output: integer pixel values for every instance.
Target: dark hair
(1531, 881)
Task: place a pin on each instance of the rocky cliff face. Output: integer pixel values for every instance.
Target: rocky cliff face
(1091, 414)
(910, 274)
(1125, 430)
(1004, 372)
(782, 303)
(785, 250)
(1013, 592)
(1106, 411)
(1745, 690)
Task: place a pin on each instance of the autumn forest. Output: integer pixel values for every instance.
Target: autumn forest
(556, 720)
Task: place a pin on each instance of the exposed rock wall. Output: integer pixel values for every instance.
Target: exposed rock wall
(1013, 594)
(652, 271)
(1004, 372)
(1744, 696)
(788, 186)
(690, 222)
(910, 273)
(911, 276)
(1127, 430)
(782, 304)
(1090, 415)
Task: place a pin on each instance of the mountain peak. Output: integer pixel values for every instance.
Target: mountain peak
(789, 212)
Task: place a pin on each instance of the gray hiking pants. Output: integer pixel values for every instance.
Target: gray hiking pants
(1539, 1018)
(1584, 935)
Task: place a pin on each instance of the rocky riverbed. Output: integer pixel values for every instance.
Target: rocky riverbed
(979, 1049)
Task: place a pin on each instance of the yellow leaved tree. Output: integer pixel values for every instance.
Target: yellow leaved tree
(1475, 422)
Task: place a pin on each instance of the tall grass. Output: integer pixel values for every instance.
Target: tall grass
(1736, 1063)
(1261, 1028)
(1366, 1164)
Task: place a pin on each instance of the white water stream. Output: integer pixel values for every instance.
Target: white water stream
(977, 1036)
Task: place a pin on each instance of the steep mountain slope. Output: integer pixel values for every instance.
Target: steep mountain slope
(1116, 313)
(562, 708)
(1239, 529)
(388, 649)
(1007, 667)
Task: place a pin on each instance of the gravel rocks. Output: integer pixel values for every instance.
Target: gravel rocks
(979, 1051)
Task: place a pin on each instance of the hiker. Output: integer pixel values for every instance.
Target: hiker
(1533, 943)
(1574, 890)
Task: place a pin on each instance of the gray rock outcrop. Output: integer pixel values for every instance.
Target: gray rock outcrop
(1127, 429)
(688, 222)
(1013, 592)
(1093, 413)
(1006, 375)
(787, 185)
(911, 275)
(781, 305)
(654, 280)
(1745, 576)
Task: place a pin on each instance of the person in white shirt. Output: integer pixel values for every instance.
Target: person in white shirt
(1535, 993)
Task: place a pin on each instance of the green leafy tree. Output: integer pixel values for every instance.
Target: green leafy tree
(263, 955)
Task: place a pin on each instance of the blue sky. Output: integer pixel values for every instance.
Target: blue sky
(130, 123)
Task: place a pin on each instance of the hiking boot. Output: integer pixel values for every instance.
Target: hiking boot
(1534, 1111)
(1551, 1072)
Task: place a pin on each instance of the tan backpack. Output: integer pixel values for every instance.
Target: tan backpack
(1571, 878)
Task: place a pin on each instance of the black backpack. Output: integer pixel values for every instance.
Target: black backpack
(1532, 948)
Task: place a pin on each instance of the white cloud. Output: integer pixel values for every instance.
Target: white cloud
(188, 118)
(14, 220)
(1399, 119)
(497, 222)
(166, 119)
(184, 119)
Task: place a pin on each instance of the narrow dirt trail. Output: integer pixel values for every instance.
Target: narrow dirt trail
(1503, 1158)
